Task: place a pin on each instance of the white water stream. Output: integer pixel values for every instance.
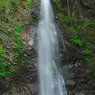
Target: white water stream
(51, 82)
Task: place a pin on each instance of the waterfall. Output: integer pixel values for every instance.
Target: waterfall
(50, 80)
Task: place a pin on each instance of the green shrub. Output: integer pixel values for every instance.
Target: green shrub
(2, 68)
(75, 40)
(87, 51)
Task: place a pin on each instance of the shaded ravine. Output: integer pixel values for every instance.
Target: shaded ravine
(51, 82)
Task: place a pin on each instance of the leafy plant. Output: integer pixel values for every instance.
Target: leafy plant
(1, 49)
(27, 7)
(87, 51)
(2, 68)
(75, 40)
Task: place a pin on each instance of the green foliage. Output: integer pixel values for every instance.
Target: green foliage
(55, 3)
(2, 68)
(16, 38)
(27, 7)
(80, 60)
(1, 49)
(89, 60)
(75, 40)
(27, 64)
(15, 0)
(17, 48)
(18, 43)
(89, 22)
(87, 51)
(16, 27)
(7, 63)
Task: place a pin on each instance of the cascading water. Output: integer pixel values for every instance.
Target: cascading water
(51, 82)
